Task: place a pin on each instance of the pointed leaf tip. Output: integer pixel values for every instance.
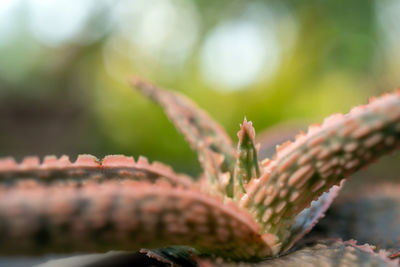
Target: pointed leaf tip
(203, 133)
(247, 165)
(246, 129)
(144, 86)
(302, 170)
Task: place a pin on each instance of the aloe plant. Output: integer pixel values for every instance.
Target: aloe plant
(241, 209)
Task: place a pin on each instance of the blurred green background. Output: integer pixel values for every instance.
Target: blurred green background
(64, 67)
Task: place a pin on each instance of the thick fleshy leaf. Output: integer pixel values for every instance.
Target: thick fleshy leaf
(301, 171)
(324, 253)
(86, 167)
(370, 214)
(214, 147)
(122, 215)
(247, 165)
(309, 217)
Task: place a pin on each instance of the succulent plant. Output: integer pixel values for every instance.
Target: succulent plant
(241, 209)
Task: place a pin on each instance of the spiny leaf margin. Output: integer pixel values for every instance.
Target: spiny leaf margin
(303, 170)
(88, 167)
(213, 145)
(123, 215)
(247, 165)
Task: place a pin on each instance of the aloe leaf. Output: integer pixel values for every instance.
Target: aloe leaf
(301, 171)
(214, 147)
(309, 217)
(86, 167)
(323, 253)
(335, 253)
(369, 214)
(247, 165)
(122, 215)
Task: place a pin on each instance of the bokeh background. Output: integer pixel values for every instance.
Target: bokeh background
(64, 67)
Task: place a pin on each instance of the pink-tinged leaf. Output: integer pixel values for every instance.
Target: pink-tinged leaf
(301, 171)
(247, 165)
(214, 147)
(123, 215)
(54, 169)
(322, 253)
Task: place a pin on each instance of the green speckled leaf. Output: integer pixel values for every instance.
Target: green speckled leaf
(122, 215)
(247, 165)
(214, 147)
(309, 217)
(302, 170)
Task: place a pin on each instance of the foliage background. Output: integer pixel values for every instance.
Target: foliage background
(64, 67)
